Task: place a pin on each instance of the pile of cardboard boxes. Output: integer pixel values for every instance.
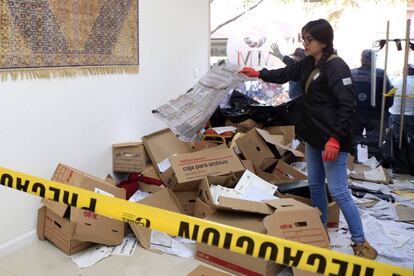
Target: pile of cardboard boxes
(188, 171)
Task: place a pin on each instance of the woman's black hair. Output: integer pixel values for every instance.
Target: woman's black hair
(321, 31)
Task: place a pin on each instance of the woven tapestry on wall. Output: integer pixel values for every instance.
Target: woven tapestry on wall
(57, 38)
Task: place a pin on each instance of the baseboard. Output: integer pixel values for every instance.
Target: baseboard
(17, 244)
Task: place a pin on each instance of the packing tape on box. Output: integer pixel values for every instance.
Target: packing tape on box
(281, 251)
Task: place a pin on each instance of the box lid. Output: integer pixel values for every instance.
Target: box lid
(129, 144)
(214, 161)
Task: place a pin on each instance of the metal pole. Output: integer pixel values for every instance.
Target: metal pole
(373, 78)
(384, 86)
(404, 84)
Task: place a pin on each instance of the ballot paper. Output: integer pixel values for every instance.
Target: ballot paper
(251, 183)
(250, 187)
(189, 113)
(174, 246)
(385, 189)
(93, 255)
(376, 174)
(126, 248)
(221, 130)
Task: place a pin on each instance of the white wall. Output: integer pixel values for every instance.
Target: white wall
(76, 120)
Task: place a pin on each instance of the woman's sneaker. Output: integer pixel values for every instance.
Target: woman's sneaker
(364, 250)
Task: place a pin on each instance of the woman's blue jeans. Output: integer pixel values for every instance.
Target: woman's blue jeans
(336, 174)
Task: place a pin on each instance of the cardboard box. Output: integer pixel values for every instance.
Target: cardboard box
(59, 231)
(187, 201)
(281, 173)
(227, 203)
(151, 172)
(202, 209)
(258, 145)
(129, 157)
(160, 146)
(233, 262)
(202, 270)
(190, 168)
(163, 199)
(89, 226)
(296, 221)
(333, 208)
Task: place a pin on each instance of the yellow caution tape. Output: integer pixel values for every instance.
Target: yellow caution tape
(281, 251)
(391, 92)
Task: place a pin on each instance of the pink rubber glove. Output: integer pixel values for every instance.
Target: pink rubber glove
(250, 72)
(331, 150)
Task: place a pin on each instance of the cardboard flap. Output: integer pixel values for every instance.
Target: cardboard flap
(41, 214)
(283, 168)
(164, 199)
(206, 271)
(286, 204)
(278, 144)
(202, 209)
(124, 145)
(254, 148)
(241, 205)
(162, 144)
(195, 166)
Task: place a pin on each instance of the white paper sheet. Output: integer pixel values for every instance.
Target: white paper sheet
(362, 152)
(96, 253)
(188, 114)
(223, 129)
(375, 174)
(126, 248)
(169, 245)
(249, 181)
(138, 195)
(372, 162)
(164, 165)
(91, 256)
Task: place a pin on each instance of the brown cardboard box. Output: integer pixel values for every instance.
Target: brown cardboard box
(190, 168)
(163, 199)
(258, 145)
(380, 174)
(160, 146)
(296, 221)
(333, 208)
(187, 201)
(58, 231)
(202, 270)
(150, 171)
(282, 173)
(89, 226)
(129, 157)
(232, 262)
(202, 209)
(293, 220)
(226, 203)
(150, 188)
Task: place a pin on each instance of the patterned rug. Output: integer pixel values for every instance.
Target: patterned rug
(57, 38)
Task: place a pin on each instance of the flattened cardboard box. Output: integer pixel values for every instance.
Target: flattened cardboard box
(227, 203)
(190, 168)
(160, 146)
(233, 262)
(163, 199)
(89, 226)
(129, 157)
(58, 231)
(259, 145)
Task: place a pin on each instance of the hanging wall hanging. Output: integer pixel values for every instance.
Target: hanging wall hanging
(59, 38)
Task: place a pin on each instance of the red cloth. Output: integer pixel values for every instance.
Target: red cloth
(131, 185)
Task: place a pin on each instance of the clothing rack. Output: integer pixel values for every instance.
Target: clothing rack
(385, 42)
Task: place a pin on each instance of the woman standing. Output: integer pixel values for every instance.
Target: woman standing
(327, 111)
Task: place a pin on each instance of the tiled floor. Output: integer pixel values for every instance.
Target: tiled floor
(43, 259)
